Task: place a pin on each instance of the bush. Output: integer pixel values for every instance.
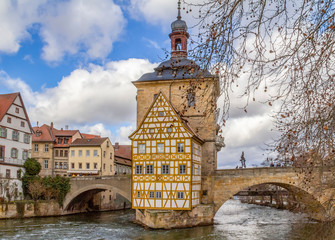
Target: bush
(32, 166)
(59, 186)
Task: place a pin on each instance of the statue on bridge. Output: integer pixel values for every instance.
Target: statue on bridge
(242, 160)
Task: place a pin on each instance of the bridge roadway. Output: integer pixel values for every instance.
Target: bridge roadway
(312, 189)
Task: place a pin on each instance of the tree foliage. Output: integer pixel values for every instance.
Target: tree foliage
(283, 48)
(32, 167)
(43, 188)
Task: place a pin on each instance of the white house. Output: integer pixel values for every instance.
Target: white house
(15, 144)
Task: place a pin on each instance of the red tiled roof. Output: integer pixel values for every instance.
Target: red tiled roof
(122, 151)
(64, 133)
(45, 136)
(6, 101)
(89, 136)
(88, 142)
(122, 161)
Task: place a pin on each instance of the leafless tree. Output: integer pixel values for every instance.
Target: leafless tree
(284, 48)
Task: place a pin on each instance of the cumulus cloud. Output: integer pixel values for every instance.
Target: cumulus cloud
(95, 98)
(16, 17)
(71, 27)
(77, 25)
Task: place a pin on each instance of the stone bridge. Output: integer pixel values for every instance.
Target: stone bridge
(86, 186)
(314, 188)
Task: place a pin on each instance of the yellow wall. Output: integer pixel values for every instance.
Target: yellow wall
(103, 161)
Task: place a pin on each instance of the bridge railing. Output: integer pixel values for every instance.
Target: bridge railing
(90, 178)
(259, 170)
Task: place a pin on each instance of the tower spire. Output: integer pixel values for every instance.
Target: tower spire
(179, 15)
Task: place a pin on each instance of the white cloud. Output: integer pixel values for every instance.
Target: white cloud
(96, 129)
(81, 25)
(161, 12)
(71, 27)
(16, 17)
(92, 98)
(123, 133)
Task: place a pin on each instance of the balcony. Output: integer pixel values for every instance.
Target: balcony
(12, 161)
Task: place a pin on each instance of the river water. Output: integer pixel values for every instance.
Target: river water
(234, 221)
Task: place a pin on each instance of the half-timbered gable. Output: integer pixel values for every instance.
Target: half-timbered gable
(166, 160)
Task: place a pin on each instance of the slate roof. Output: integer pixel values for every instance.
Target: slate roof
(176, 68)
(88, 142)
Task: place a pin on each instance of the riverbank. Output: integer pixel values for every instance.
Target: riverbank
(27, 209)
(43, 208)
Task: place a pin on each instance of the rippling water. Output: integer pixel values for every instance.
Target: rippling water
(234, 220)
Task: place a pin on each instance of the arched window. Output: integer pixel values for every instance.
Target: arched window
(178, 44)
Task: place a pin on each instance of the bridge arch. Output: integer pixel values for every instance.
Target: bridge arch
(227, 183)
(89, 185)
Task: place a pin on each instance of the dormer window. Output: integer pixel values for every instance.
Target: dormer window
(159, 73)
(38, 133)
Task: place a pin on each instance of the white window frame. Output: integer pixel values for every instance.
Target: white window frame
(182, 169)
(139, 169)
(150, 169)
(180, 147)
(160, 148)
(158, 194)
(151, 194)
(180, 195)
(165, 169)
(141, 148)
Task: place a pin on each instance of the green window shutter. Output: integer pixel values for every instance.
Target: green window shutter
(5, 132)
(18, 136)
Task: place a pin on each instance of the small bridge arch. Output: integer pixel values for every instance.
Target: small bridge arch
(81, 185)
(227, 183)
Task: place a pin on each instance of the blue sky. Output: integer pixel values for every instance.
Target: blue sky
(73, 62)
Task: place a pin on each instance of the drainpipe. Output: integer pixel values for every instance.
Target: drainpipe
(101, 161)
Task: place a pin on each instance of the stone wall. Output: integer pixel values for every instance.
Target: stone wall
(201, 215)
(24, 209)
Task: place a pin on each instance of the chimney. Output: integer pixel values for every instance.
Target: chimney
(37, 124)
(116, 145)
(51, 125)
(66, 127)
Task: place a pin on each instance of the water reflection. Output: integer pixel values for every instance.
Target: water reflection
(233, 221)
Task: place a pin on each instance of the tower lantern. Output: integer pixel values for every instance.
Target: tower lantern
(179, 36)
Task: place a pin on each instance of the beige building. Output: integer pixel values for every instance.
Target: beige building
(122, 159)
(42, 149)
(91, 157)
(50, 147)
